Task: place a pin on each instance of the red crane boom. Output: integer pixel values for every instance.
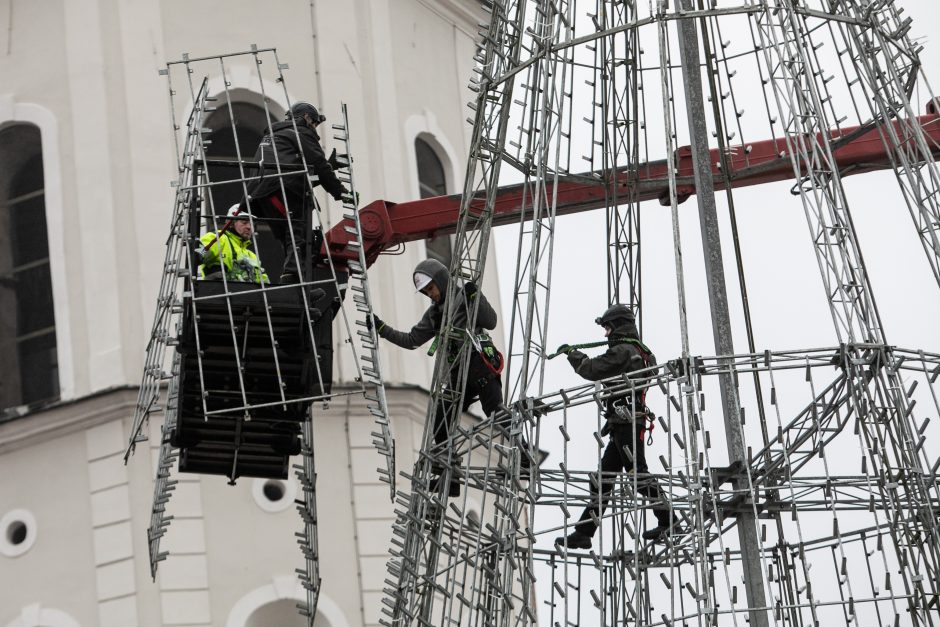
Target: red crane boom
(856, 150)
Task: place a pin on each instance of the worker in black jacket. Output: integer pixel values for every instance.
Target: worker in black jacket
(483, 379)
(281, 190)
(626, 421)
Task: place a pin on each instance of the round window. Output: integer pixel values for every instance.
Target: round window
(274, 495)
(19, 532)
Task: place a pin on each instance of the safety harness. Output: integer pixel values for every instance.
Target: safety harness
(649, 423)
(482, 343)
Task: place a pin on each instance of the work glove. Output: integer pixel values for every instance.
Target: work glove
(347, 196)
(470, 290)
(379, 325)
(338, 161)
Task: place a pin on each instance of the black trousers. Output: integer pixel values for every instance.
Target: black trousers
(482, 385)
(275, 211)
(626, 441)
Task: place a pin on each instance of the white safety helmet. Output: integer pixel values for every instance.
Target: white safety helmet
(233, 212)
(421, 280)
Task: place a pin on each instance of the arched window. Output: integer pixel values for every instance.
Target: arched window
(29, 371)
(430, 170)
(276, 604)
(282, 612)
(432, 182)
(245, 124)
(37, 616)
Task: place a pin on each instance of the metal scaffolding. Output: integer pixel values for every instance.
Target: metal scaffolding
(818, 500)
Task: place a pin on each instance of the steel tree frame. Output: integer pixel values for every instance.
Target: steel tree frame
(883, 405)
(867, 392)
(415, 565)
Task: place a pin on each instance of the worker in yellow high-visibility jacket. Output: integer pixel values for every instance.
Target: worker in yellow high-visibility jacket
(228, 250)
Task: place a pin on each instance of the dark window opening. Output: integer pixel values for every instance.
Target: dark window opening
(273, 491)
(16, 532)
(245, 124)
(29, 370)
(432, 181)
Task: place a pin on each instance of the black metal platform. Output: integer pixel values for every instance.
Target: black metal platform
(241, 350)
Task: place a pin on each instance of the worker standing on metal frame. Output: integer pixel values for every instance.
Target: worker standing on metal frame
(483, 375)
(228, 251)
(626, 421)
(281, 192)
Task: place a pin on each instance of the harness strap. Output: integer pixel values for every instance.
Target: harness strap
(649, 424)
(278, 204)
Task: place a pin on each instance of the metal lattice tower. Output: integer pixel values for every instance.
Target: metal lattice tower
(238, 369)
(817, 501)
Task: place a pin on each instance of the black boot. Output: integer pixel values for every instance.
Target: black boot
(576, 540)
(452, 490)
(525, 460)
(529, 459)
(662, 530)
(501, 420)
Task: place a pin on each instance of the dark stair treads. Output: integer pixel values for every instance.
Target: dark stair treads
(210, 446)
(249, 351)
(247, 317)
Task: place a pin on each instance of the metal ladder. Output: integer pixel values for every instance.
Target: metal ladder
(359, 285)
(164, 334)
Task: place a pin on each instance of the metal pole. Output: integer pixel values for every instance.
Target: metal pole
(718, 301)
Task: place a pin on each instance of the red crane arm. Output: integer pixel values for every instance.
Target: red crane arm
(386, 224)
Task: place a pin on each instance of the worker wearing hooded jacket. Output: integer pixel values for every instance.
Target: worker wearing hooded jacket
(228, 250)
(626, 422)
(431, 278)
(280, 191)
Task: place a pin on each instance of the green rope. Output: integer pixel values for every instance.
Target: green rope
(617, 340)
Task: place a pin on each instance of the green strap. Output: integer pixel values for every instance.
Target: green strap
(459, 334)
(617, 340)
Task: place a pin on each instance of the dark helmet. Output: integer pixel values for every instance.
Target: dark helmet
(616, 315)
(299, 109)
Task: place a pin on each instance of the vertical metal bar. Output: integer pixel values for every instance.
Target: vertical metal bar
(718, 302)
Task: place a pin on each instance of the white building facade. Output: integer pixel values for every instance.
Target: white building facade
(86, 160)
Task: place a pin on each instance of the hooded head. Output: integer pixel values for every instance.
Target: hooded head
(431, 271)
(305, 112)
(621, 321)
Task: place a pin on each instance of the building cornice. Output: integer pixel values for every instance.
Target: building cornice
(464, 14)
(77, 415)
(66, 418)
